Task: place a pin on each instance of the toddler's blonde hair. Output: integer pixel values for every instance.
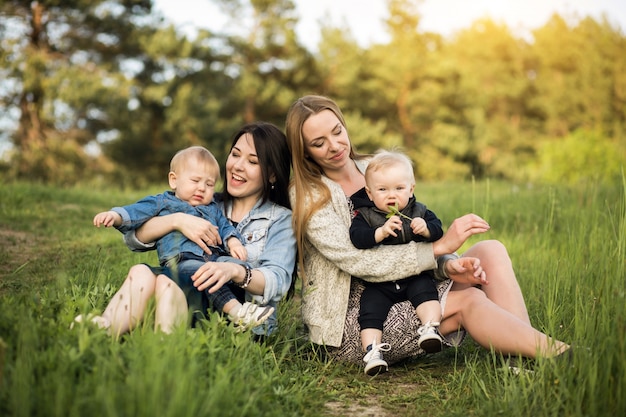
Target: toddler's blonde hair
(385, 159)
(200, 154)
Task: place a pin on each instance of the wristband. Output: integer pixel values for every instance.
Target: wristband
(247, 279)
(441, 265)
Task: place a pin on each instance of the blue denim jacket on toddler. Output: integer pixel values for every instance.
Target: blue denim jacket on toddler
(268, 237)
(174, 243)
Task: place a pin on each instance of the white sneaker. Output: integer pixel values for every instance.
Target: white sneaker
(374, 363)
(251, 315)
(99, 321)
(429, 340)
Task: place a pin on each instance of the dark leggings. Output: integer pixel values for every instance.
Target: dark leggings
(378, 298)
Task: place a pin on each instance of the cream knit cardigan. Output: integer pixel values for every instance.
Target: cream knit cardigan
(330, 260)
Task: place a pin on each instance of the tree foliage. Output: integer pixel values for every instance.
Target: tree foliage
(582, 156)
(109, 89)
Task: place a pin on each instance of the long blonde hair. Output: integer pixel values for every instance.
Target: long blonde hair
(310, 191)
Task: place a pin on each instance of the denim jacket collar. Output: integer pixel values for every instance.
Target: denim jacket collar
(260, 210)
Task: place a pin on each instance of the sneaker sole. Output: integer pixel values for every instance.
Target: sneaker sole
(376, 369)
(431, 346)
(266, 315)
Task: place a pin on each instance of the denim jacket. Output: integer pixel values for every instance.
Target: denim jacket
(174, 243)
(268, 237)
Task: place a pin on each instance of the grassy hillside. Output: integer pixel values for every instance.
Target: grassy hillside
(568, 246)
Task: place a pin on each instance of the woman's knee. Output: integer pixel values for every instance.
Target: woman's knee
(459, 305)
(465, 299)
(474, 296)
(164, 285)
(491, 246)
(141, 275)
(140, 270)
(490, 252)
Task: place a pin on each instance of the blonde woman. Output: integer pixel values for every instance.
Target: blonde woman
(327, 172)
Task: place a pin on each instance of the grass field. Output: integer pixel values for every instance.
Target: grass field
(568, 245)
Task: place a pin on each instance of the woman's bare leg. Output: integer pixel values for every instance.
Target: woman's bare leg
(496, 316)
(171, 305)
(503, 288)
(128, 306)
(493, 327)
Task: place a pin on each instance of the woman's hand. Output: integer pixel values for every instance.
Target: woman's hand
(466, 270)
(460, 230)
(200, 231)
(214, 275)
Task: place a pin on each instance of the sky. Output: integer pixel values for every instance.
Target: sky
(364, 17)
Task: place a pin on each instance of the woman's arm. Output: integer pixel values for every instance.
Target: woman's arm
(196, 229)
(278, 260)
(328, 231)
(214, 275)
(272, 274)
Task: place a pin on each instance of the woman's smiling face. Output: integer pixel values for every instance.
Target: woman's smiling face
(326, 140)
(243, 172)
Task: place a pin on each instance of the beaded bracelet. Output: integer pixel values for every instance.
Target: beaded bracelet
(247, 279)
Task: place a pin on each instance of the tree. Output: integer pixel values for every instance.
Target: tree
(494, 85)
(266, 61)
(341, 65)
(178, 87)
(61, 74)
(107, 87)
(412, 86)
(582, 156)
(579, 75)
(401, 65)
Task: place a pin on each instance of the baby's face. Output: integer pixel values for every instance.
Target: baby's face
(388, 187)
(195, 182)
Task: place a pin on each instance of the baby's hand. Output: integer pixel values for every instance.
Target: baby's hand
(418, 226)
(107, 219)
(391, 225)
(237, 250)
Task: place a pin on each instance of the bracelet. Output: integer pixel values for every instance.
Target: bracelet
(247, 279)
(441, 264)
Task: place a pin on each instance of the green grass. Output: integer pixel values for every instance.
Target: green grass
(568, 245)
